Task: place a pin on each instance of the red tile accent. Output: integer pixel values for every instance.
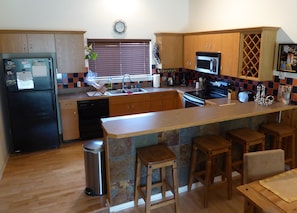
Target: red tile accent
(294, 96)
(70, 85)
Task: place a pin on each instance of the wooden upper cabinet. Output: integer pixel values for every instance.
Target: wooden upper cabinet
(190, 49)
(70, 52)
(256, 56)
(41, 43)
(170, 49)
(209, 42)
(26, 43)
(230, 54)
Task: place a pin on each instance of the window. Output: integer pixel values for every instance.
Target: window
(118, 57)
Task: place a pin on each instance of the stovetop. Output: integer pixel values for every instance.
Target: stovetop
(205, 94)
(214, 89)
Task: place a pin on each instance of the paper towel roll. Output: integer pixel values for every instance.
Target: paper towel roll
(156, 80)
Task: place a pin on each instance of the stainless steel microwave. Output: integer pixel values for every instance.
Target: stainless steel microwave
(208, 62)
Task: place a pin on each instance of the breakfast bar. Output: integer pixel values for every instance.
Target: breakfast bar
(175, 128)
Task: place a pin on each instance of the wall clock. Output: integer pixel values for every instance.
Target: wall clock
(120, 26)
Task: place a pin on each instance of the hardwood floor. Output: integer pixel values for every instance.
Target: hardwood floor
(54, 181)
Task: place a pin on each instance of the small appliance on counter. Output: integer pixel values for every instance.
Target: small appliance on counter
(245, 96)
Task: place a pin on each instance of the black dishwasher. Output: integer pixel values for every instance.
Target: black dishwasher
(89, 114)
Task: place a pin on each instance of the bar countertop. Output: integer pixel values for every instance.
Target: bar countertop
(147, 123)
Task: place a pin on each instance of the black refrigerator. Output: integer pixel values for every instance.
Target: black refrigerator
(31, 99)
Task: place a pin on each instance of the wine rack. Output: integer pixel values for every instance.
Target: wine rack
(251, 55)
(257, 48)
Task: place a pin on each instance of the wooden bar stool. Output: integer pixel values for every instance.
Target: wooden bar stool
(156, 157)
(283, 138)
(247, 139)
(211, 146)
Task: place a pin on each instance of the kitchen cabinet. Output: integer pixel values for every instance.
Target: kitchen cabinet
(247, 53)
(170, 49)
(190, 49)
(21, 42)
(209, 42)
(69, 119)
(70, 52)
(230, 53)
(129, 104)
(160, 101)
(256, 57)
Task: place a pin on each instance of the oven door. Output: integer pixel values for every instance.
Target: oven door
(192, 102)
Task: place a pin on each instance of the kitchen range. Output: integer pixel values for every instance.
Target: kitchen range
(212, 90)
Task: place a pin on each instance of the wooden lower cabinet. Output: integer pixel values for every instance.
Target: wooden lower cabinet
(69, 115)
(129, 104)
(161, 101)
(141, 103)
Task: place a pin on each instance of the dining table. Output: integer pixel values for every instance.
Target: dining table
(273, 194)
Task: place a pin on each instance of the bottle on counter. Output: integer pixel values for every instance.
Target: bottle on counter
(109, 83)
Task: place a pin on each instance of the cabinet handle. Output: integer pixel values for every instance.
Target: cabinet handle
(74, 114)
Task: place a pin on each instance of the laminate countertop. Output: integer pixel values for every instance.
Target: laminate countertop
(147, 123)
(80, 96)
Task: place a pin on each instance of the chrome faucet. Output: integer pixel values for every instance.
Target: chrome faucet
(123, 80)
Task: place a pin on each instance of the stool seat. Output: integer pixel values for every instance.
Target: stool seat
(246, 135)
(280, 132)
(247, 139)
(211, 146)
(156, 157)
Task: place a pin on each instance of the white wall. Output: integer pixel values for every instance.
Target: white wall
(229, 14)
(143, 17)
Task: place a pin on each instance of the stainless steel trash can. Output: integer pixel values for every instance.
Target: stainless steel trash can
(95, 168)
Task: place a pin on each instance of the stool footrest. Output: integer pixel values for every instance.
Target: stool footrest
(163, 202)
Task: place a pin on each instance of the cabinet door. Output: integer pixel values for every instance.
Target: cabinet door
(257, 54)
(41, 43)
(171, 50)
(209, 42)
(190, 49)
(163, 101)
(129, 104)
(69, 117)
(24, 43)
(230, 54)
(13, 43)
(70, 53)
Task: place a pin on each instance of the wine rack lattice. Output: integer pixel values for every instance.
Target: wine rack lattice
(251, 55)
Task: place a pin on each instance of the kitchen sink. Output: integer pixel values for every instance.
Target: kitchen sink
(125, 91)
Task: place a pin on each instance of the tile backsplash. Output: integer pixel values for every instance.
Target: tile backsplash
(70, 80)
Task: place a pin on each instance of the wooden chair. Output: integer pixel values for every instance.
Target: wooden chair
(211, 146)
(247, 139)
(259, 165)
(283, 138)
(156, 157)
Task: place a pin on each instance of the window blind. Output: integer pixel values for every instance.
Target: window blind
(119, 57)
